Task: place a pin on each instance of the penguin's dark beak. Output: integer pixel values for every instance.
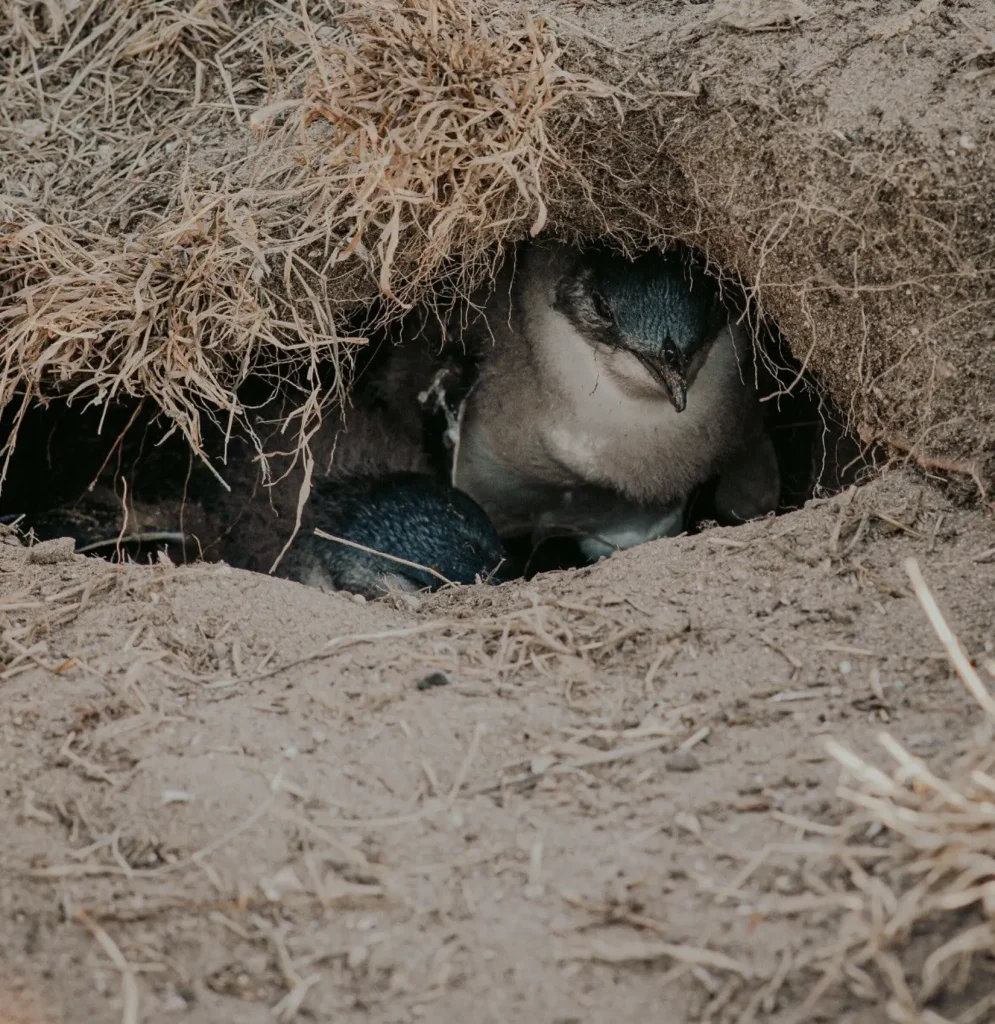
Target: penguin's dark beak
(668, 370)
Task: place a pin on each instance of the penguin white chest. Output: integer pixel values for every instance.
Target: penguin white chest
(574, 417)
(580, 449)
(602, 405)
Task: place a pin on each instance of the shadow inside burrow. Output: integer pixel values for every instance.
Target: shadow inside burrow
(125, 484)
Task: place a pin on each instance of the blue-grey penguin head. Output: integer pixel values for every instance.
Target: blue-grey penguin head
(409, 516)
(660, 306)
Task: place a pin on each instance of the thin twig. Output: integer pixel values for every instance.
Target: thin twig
(129, 982)
(381, 554)
(951, 644)
(152, 537)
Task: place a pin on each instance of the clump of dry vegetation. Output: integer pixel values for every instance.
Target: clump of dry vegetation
(192, 193)
(914, 873)
(424, 137)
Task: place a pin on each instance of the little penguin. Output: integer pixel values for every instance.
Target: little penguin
(424, 532)
(608, 390)
(592, 395)
(371, 480)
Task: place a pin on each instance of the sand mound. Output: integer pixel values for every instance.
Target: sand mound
(232, 798)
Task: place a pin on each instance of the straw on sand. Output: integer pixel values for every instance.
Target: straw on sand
(919, 865)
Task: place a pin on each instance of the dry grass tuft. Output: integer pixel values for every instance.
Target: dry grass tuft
(112, 280)
(918, 865)
(423, 139)
(191, 193)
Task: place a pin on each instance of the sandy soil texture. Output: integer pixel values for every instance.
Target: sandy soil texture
(604, 795)
(232, 798)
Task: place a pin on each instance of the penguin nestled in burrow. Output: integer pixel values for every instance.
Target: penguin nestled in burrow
(580, 403)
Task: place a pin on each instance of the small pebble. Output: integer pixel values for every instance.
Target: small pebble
(8, 532)
(357, 956)
(51, 552)
(173, 1002)
(432, 681)
(682, 761)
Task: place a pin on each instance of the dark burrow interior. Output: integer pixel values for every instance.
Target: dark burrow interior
(126, 486)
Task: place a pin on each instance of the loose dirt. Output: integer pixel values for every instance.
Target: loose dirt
(232, 798)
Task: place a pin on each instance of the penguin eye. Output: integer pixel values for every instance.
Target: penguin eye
(602, 308)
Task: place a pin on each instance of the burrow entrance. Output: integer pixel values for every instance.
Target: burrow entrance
(125, 485)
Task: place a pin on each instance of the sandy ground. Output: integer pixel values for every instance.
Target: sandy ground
(231, 798)
(228, 798)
